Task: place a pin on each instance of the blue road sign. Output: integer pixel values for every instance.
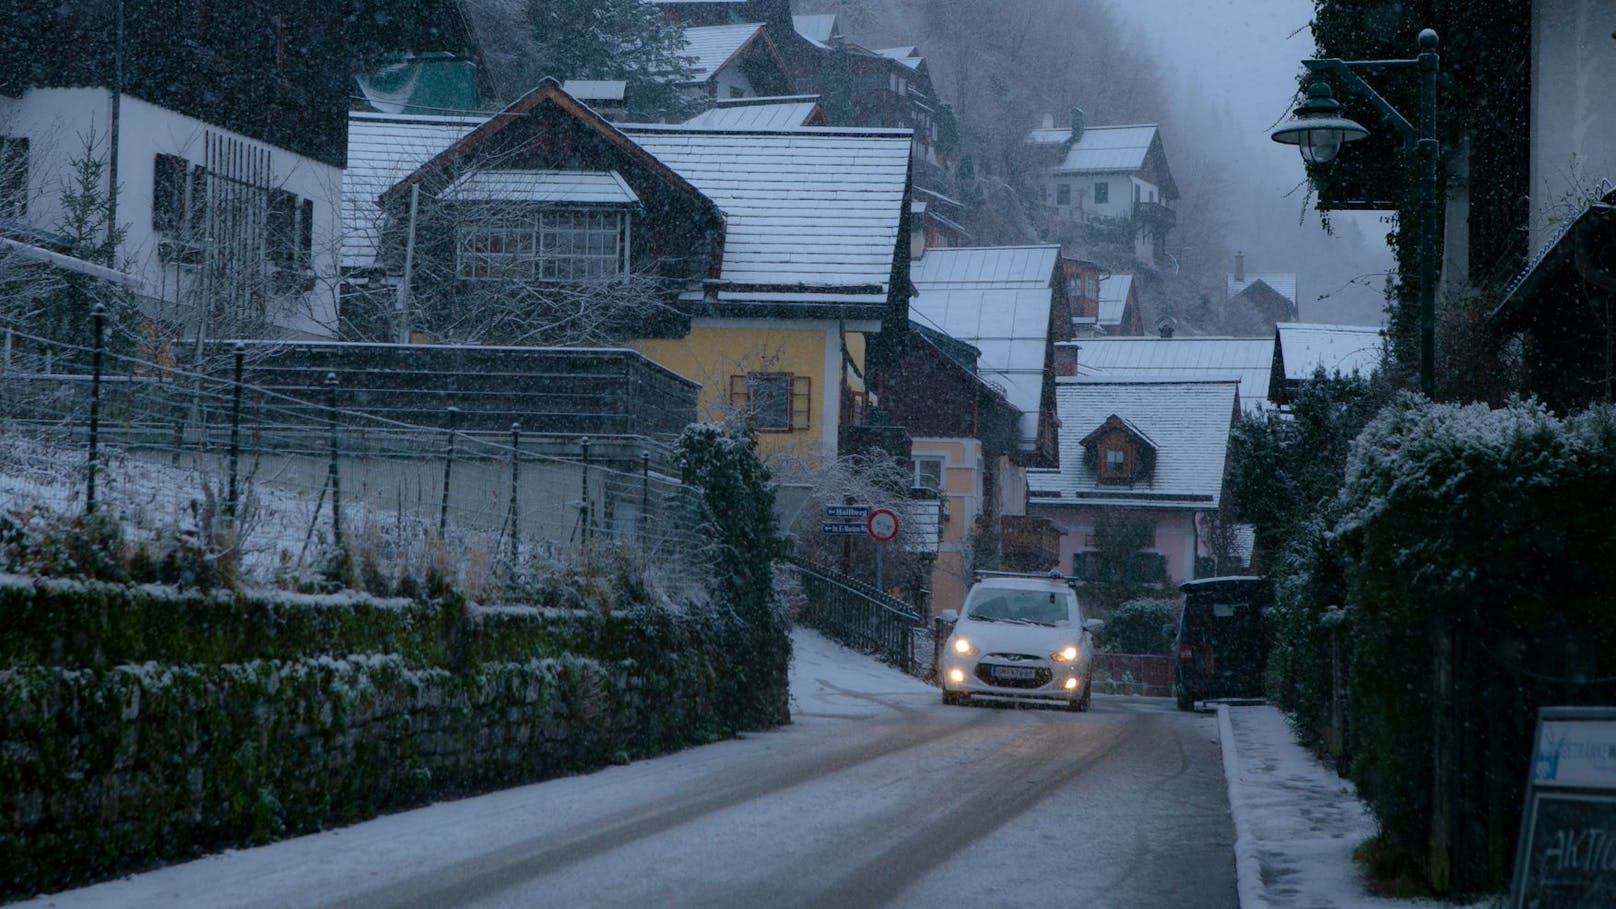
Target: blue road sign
(849, 528)
(846, 512)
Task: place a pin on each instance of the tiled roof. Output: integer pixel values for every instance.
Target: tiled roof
(1010, 326)
(1346, 349)
(382, 150)
(757, 113)
(1250, 360)
(803, 206)
(1282, 283)
(1114, 290)
(712, 46)
(987, 266)
(1189, 423)
(585, 187)
(1103, 149)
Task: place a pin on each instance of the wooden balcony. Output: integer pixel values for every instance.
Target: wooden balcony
(1028, 543)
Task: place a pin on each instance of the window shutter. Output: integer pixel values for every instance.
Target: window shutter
(738, 397)
(801, 402)
(168, 193)
(305, 234)
(13, 177)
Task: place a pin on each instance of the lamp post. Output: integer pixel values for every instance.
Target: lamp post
(1319, 130)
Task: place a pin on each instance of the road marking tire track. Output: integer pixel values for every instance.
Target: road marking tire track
(511, 865)
(988, 795)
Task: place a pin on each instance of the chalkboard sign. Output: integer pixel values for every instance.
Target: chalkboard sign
(1566, 858)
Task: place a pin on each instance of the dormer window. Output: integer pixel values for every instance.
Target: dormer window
(1114, 463)
(541, 224)
(1119, 452)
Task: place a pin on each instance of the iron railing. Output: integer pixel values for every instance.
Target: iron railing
(854, 613)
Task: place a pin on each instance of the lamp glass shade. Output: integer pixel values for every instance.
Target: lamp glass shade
(1319, 146)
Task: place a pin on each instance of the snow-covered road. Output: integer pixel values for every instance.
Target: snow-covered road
(876, 795)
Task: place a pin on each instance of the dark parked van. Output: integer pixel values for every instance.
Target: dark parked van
(1222, 639)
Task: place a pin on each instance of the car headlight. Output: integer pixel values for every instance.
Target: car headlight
(1065, 654)
(964, 647)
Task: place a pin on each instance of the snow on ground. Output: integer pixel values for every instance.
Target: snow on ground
(1296, 821)
(828, 680)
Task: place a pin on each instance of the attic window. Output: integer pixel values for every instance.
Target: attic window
(1116, 462)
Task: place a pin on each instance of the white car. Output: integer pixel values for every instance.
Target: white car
(1020, 637)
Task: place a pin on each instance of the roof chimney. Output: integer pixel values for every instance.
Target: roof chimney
(1065, 359)
(1077, 124)
(1049, 121)
(1165, 327)
(1240, 267)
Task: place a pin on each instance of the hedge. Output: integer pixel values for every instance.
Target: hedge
(110, 762)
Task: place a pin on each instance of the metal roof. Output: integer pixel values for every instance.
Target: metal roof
(1346, 349)
(1009, 325)
(585, 187)
(1114, 291)
(818, 29)
(1248, 360)
(805, 206)
(712, 46)
(587, 90)
(1189, 423)
(987, 266)
(1282, 283)
(757, 113)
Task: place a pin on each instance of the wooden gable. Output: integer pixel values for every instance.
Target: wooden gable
(1119, 453)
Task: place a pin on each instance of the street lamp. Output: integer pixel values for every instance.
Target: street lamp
(1317, 128)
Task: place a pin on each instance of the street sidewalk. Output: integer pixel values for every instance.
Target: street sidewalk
(1296, 822)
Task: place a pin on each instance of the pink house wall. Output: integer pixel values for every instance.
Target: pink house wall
(1175, 533)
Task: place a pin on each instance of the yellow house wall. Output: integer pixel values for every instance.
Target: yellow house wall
(714, 350)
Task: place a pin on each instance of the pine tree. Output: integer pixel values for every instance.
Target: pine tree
(614, 39)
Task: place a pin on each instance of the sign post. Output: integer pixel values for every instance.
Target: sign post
(882, 526)
(1566, 855)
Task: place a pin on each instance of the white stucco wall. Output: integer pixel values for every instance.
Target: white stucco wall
(57, 122)
(1573, 117)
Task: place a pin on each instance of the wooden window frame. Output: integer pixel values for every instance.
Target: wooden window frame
(1103, 469)
(1102, 193)
(798, 400)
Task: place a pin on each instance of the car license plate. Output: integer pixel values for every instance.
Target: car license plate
(1013, 672)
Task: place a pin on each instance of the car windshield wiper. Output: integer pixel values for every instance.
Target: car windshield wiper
(985, 618)
(1026, 622)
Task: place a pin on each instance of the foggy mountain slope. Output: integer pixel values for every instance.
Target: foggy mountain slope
(1003, 66)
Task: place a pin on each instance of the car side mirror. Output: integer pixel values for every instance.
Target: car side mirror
(950, 616)
(1094, 626)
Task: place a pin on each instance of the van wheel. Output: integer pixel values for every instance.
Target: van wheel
(1088, 694)
(1186, 701)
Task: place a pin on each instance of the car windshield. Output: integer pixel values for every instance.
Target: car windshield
(1027, 607)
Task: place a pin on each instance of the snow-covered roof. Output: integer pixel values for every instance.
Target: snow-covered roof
(382, 150)
(1248, 360)
(1102, 149)
(713, 46)
(758, 113)
(1346, 349)
(1189, 423)
(587, 90)
(906, 55)
(1009, 325)
(1282, 283)
(1114, 291)
(805, 206)
(819, 29)
(999, 267)
(586, 187)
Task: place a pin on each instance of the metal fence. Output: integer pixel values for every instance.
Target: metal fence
(170, 451)
(858, 615)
